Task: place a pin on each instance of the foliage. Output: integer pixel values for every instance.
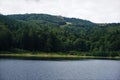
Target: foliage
(47, 33)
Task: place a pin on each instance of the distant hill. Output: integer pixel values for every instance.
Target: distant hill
(52, 19)
(49, 33)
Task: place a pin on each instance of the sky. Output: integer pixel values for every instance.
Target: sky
(98, 11)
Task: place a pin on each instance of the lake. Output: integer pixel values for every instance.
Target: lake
(59, 70)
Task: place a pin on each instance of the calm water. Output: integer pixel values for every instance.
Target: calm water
(59, 70)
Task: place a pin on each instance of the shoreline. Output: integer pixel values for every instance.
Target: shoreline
(29, 56)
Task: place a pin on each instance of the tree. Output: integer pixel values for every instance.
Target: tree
(5, 38)
(80, 45)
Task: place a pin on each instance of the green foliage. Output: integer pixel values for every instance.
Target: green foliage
(5, 38)
(47, 33)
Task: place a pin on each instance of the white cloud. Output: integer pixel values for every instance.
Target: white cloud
(94, 10)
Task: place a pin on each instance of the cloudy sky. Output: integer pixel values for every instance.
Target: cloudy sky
(99, 11)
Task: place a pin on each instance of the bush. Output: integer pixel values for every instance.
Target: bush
(17, 50)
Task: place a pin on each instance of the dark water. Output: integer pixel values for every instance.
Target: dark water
(59, 70)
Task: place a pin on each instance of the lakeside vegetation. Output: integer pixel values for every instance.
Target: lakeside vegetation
(52, 56)
(25, 35)
(25, 54)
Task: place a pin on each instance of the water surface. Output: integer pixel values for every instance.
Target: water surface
(59, 70)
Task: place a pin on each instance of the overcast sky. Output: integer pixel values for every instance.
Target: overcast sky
(99, 11)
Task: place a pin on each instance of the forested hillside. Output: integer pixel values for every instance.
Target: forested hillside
(47, 33)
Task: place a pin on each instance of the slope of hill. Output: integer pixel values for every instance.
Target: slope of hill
(52, 19)
(47, 33)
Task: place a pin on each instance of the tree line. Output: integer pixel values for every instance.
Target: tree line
(54, 34)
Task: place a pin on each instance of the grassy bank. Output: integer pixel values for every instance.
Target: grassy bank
(52, 56)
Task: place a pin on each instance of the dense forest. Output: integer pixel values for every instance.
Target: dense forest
(48, 33)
